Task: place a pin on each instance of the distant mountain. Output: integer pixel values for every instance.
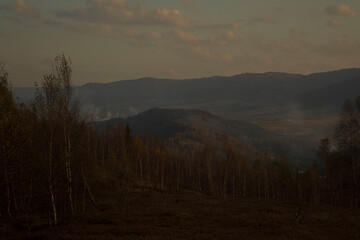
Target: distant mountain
(305, 106)
(24, 94)
(224, 96)
(331, 96)
(189, 130)
(215, 94)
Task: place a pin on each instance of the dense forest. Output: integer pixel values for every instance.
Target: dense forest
(53, 159)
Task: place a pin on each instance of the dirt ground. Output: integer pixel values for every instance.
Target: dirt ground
(148, 214)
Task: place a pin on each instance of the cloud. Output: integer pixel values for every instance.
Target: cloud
(131, 33)
(345, 45)
(260, 59)
(152, 36)
(128, 35)
(265, 19)
(123, 13)
(226, 38)
(15, 19)
(168, 17)
(334, 23)
(341, 46)
(188, 4)
(21, 8)
(120, 12)
(185, 37)
(221, 57)
(340, 10)
(266, 43)
(208, 25)
(298, 32)
(102, 30)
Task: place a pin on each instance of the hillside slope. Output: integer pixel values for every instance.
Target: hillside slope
(332, 95)
(190, 130)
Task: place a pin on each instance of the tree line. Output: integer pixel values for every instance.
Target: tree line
(341, 157)
(53, 160)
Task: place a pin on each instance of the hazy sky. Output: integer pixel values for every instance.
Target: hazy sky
(111, 40)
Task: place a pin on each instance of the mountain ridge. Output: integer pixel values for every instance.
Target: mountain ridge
(285, 74)
(282, 102)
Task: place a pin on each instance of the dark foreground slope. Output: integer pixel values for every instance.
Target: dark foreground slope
(147, 214)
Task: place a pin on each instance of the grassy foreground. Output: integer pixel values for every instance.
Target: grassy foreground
(147, 214)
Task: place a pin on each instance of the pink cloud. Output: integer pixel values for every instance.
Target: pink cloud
(131, 36)
(265, 19)
(22, 8)
(334, 23)
(262, 59)
(228, 37)
(185, 37)
(340, 10)
(298, 32)
(120, 12)
(208, 25)
(221, 57)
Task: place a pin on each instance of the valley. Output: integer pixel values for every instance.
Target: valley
(294, 112)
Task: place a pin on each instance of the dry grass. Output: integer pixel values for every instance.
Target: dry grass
(146, 214)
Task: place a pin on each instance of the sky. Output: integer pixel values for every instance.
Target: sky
(111, 40)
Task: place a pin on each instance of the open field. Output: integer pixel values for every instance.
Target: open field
(148, 214)
(311, 126)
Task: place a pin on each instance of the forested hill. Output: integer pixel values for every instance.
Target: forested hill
(189, 130)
